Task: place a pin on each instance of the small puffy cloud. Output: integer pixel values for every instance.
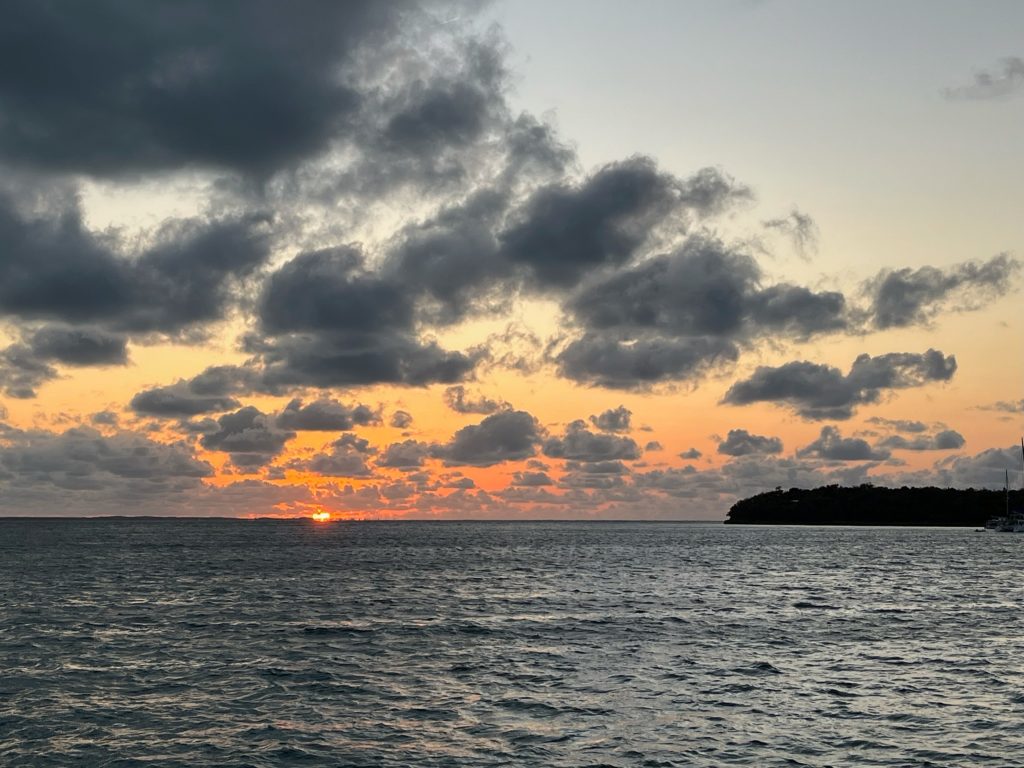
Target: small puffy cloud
(740, 442)
(249, 436)
(461, 401)
(654, 445)
(1002, 82)
(401, 419)
(325, 415)
(178, 401)
(406, 455)
(503, 436)
(345, 457)
(832, 446)
(580, 444)
(690, 453)
(613, 420)
(531, 479)
(817, 391)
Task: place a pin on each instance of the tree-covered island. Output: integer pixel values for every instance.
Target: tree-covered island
(873, 505)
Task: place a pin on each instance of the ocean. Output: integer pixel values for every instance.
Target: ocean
(134, 642)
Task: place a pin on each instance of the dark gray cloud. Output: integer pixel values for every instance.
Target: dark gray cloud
(907, 296)
(986, 469)
(249, 436)
(210, 391)
(22, 372)
(177, 401)
(78, 346)
(345, 457)
(690, 454)
(105, 418)
(459, 400)
(503, 436)
(119, 468)
(565, 232)
(116, 88)
(613, 420)
(580, 444)
(676, 315)
(531, 479)
(602, 360)
(325, 415)
(1006, 80)
(408, 454)
(740, 442)
(818, 391)
(25, 366)
(945, 440)
(654, 445)
(55, 269)
(832, 446)
(401, 419)
(328, 321)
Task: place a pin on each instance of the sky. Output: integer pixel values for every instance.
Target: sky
(595, 260)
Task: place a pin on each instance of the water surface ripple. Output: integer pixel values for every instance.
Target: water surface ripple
(236, 643)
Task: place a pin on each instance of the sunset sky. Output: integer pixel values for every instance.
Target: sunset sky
(510, 260)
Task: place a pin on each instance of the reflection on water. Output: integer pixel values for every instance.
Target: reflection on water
(185, 643)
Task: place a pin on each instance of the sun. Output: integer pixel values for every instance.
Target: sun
(320, 516)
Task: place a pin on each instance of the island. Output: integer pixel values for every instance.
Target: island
(873, 505)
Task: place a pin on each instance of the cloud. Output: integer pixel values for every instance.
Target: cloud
(739, 442)
(567, 231)
(108, 473)
(1004, 406)
(345, 457)
(901, 425)
(78, 346)
(986, 469)
(613, 420)
(602, 360)
(904, 297)
(328, 321)
(408, 454)
(177, 401)
(324, 415)
(580, 444)
(503, 436)
(1005, 81)
(818, 391)
(947, 439)
(460, 401)
(55, 269)
(531, 479)
(248, 436)
(114, 90)
(401, 419)
(800, 228)
(677, 315)
(832, 446)
(690, 454)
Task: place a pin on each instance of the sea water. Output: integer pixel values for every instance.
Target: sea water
(130, 642)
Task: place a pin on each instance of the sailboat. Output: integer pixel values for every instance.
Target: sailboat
(1011, 521)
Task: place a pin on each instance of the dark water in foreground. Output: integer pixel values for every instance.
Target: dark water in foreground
(200, 643)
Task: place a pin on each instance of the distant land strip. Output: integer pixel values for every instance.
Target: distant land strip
(873, 505)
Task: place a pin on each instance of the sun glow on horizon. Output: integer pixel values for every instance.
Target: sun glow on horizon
(320, 516)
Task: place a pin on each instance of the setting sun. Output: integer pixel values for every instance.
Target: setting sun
(321, 517)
